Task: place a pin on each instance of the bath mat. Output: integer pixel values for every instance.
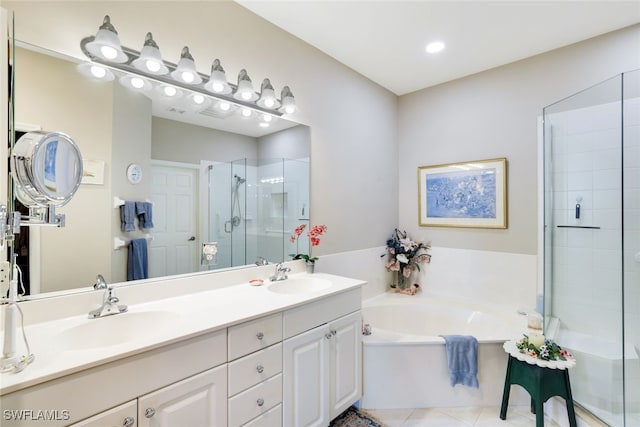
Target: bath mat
(354, 417)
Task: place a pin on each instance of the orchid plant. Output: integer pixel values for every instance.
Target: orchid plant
(314, 238)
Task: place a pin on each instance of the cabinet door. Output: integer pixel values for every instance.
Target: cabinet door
(346, 363)
(197, 401)
(305, 377)
(120, 416)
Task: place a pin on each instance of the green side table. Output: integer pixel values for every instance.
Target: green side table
(540, 381)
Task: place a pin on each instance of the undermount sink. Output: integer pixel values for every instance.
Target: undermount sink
(299, 285)
(115, 330)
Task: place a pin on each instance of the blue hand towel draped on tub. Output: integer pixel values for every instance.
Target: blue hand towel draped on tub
(462, 358)
(138, 261)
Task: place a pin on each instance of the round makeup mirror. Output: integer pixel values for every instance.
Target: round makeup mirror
(47, 168)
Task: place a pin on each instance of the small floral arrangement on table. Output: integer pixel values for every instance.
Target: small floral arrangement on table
(539, 347)
(404, 256)
(314, 238)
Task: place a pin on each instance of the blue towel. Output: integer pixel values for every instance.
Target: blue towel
(462, 358)
(145, 216)
(138, 261)
(127, 216)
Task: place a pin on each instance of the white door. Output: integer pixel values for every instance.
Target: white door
(305, 376)
(346, 365)
(174, 193)
(198, 401)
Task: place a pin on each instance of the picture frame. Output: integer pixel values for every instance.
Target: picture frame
(465, 194)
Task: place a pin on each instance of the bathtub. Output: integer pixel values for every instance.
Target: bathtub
(405, 362)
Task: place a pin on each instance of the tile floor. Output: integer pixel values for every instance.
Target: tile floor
(462, 417)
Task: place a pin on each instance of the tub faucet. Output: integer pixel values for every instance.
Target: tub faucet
(109, 305)
(261, 261)
(281, 273)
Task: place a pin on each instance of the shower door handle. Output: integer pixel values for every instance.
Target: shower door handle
(226, 229)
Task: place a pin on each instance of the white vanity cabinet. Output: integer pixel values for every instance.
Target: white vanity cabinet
(191, 369)
(322, 365)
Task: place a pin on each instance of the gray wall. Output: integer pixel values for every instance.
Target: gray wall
(493, 114)
(182, 142)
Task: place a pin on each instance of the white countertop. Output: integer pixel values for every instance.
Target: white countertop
(178, 318)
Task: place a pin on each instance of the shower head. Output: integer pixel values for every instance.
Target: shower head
(239, 179)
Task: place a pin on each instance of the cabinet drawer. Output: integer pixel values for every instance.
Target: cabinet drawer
(271, 418)
(254, 368)
(255, 401)
(255, 335)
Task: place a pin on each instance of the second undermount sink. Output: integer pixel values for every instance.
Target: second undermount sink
(299, 285)
(115, 330)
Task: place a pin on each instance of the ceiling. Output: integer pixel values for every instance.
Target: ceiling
(385, 40)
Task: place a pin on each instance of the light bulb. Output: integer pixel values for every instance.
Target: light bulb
(225, 106)
(98, 72)
(108, 52)
(137, 82)
(217, 87)
(290, 109)
(246, 96)
(170, 91)
(187, 76)
(269, 102)
(153, 66)
(198, 99)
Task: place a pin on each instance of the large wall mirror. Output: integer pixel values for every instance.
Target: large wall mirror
(209, 180)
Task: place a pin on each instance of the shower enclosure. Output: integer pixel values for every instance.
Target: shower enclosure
(253, 207)
(592, 243)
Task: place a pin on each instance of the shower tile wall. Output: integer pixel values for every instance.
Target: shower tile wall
(587, 266)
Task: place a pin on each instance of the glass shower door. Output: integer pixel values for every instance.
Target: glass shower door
(592, 243)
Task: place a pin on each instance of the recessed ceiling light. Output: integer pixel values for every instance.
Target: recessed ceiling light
(435, 47)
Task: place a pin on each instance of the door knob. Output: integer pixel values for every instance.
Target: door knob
(149, 412)
(128, 422)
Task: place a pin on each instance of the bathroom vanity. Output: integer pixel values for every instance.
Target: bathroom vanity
(283, 354)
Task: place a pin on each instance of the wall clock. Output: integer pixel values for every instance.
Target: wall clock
(134, 173)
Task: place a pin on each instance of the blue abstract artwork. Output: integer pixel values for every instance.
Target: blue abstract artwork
(464, 194)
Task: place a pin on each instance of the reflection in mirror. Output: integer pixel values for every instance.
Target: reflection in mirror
(188, 164)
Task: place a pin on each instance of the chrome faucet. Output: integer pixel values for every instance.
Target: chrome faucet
(281, 273)
(109, 305)
(100, 282)
(261, 261)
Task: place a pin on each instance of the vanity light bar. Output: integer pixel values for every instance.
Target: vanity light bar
(172, 74)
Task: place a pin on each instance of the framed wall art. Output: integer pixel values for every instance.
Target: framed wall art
(467, 194)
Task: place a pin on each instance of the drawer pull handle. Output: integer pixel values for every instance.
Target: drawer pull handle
(149, 412)
(260, 401)
(260, 369)
(328, 336)
(260, 335)
(128, 422)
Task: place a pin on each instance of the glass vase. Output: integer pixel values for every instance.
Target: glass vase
(311, 266)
